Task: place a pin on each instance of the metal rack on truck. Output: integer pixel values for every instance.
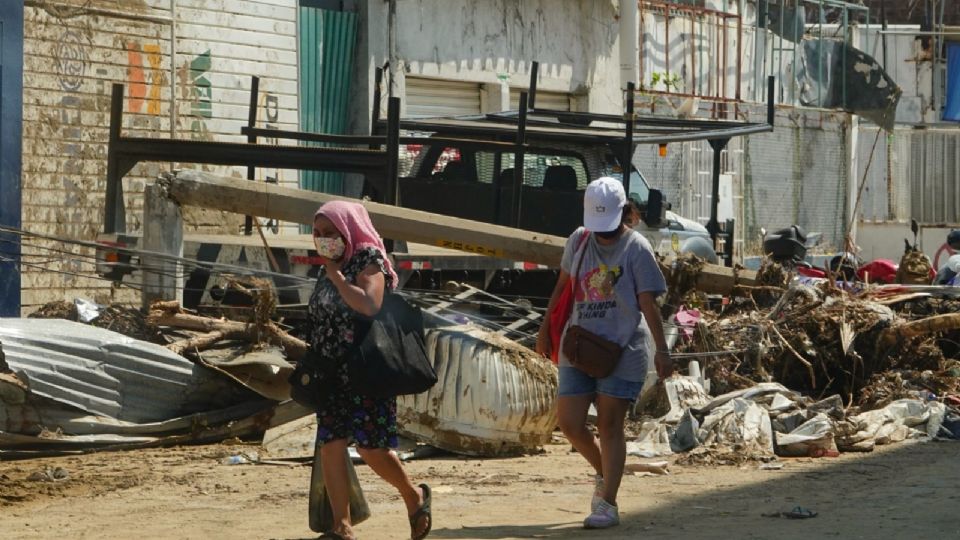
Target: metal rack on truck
(505, 210)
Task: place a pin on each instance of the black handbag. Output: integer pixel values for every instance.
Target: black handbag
(311, 379)
(388, 357)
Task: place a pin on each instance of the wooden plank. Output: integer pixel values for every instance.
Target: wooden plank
(197, 188)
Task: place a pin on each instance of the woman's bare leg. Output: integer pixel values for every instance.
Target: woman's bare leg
(611, 414)
(387, 465)
(572, 415)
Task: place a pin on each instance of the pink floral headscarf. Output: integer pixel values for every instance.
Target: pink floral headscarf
(353, 222)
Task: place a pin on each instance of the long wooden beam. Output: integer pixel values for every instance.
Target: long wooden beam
(197, 188)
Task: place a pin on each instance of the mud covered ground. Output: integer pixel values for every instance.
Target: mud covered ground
(906, 490)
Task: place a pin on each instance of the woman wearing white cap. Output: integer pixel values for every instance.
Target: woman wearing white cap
(615, 291)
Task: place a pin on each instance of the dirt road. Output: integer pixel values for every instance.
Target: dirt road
(908, 490)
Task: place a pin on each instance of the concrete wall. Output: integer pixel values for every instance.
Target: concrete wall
(576, 43)
(186, 65)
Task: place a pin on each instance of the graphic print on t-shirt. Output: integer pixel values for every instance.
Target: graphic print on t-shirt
(595, 296)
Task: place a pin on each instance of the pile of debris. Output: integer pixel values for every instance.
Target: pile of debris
(805, 367)
(77, 377)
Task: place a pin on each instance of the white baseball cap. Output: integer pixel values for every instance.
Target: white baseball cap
(603, 205)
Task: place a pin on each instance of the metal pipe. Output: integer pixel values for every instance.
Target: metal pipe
(666, 48)
(843, 72)
(739, 54)
(723, 72)
(377, 97)
(783, 4)
(114, 215)
(771, 111)
(883, 30)
(820, 58)
(534, 75)
(919, 33)
(713, 226)
(629, 42)
(392, 45)
(757, 57)
(393, 151)
(518, 155)
(694, 38)
(252, 138)
(793, 68)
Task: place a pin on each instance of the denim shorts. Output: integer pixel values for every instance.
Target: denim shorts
(574, 382)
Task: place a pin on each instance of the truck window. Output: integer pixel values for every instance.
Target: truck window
(535, 167)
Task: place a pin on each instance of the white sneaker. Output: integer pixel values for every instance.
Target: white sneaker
(606, 515)
(597, 493)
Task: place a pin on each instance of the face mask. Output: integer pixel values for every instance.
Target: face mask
(330, 248)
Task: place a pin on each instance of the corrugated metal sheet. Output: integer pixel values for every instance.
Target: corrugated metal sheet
(933, 174)
(914, 174)
(427, 97)
(328, 40)
(106, 373)
(493, 396)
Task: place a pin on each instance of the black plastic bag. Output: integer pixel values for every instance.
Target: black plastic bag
(389, 357)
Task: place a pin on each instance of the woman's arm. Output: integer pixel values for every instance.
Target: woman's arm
(651, 312)
(544, 346)
(366, 296)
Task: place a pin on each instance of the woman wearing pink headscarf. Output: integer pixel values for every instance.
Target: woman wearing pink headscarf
(353, 279)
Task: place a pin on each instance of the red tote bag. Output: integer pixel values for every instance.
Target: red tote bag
(561, 312)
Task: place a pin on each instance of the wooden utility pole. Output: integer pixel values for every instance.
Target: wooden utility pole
(197, 188)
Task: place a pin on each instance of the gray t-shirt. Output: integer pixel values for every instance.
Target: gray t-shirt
(610, 278)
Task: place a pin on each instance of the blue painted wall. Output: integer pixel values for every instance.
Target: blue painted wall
(11, 122)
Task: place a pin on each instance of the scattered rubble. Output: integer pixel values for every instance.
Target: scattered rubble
(785, 367)
(805, 367)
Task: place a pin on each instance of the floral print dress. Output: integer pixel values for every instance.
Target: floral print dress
(344, 413)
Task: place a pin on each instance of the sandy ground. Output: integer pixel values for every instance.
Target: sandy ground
(907, 490)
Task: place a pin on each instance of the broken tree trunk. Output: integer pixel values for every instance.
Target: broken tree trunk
(930, 325)
(219, 329)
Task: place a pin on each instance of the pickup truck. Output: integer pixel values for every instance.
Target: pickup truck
(471, 181)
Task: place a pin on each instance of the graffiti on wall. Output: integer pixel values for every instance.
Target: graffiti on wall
(71, 62)
(201, 95)
(144, 76)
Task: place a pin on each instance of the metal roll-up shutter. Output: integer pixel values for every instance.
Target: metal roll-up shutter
(434, 97)
(555, 101)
